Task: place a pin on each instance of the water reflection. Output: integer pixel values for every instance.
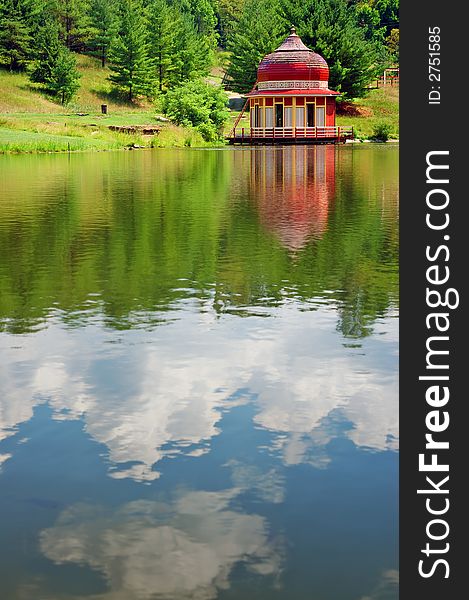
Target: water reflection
(293, 188)
(170, 551)
(160, 396)
(199, 356)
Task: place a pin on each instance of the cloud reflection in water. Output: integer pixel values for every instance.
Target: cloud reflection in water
(163, 393)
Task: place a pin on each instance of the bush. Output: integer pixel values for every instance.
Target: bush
(200, 105)
(381, 132)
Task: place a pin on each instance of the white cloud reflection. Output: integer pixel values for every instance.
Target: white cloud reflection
(146, 549)
(155, 394)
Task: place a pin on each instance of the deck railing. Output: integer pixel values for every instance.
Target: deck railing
(329, 132)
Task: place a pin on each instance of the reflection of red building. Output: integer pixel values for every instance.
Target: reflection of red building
(291, 100)
(293, 187)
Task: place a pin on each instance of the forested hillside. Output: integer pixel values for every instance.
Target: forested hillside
(152, 46)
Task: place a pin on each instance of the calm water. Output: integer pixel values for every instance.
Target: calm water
(199, 375)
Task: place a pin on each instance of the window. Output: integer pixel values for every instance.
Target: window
(279, 115)
(269, 117)
(300, 116)
(320, 116)
(288, 116)
(257, 117)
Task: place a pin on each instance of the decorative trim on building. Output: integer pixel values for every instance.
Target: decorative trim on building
(288, 85)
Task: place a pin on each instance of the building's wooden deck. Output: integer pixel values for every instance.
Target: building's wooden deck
(290, 135)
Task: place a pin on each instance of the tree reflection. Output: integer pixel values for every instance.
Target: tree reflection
(128, 235)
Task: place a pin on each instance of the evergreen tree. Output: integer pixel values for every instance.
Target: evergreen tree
(130, 64)
(330, 28)
(389, 14)
(64, 77)
(15, 34)
(258, 32)
(229, 12)
(47, 49)
(160, 27)
(392, 44)
(74, 22)
(55, 66)
(103, 26)
(369, 19)
(191, 56)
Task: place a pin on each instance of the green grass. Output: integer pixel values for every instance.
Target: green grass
(30, 121)
(13, 141)
(379, 106)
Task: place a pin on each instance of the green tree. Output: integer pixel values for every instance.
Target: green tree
(55, 66)
(130, 64)
(229, 12)
(74, 21)
(47, 49)
(191, 52)
(389, 14)
(103, 26)
(369, 19)
(392, 43)
(15, 34)
(160, 27)
(198, 104)
(64, 80)
(258, 32)
(330, 27)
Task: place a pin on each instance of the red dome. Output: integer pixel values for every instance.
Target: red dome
(292, 65)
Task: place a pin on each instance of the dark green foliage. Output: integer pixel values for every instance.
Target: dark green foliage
(55, 66)
(199, 105)
(330, 28)
(258, 32)
(229, 13)
(191, 53)
(369, 19)
(74, 21)
(160, 33)
(19, 20)
(15, 35)
(64, 80)
(381, 132)
(103, 21)
(392, 44)
(47, 50)
(130, 63)
(388, 12)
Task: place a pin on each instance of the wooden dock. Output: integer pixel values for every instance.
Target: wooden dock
(290, 135)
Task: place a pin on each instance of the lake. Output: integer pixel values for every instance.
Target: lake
(199, 374)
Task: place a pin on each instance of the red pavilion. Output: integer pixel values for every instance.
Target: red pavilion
(291, 101)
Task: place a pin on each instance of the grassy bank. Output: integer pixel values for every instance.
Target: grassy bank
(379, 106)
(32, 122)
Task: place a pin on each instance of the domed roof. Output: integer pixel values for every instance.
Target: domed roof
(293, 63)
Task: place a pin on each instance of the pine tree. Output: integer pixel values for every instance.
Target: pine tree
(47, 50)
(330, 28)
(103, 26)
(257, 33)
(191, 53)
(15, 35)
(73, 19)
(55, 66)
(160, 22)
(229, 12)
(63, 81)
(129, 59)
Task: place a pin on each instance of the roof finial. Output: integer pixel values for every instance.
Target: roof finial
(292, 30)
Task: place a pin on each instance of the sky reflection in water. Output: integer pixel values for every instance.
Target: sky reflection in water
(199, 399)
